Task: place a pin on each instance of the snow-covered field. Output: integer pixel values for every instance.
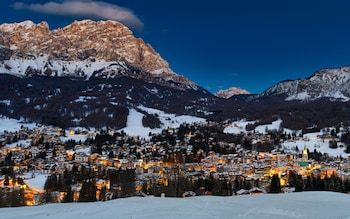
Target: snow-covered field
(309, 205)
(12, 125)
(35, 180)
(240, 126)
(134, 125)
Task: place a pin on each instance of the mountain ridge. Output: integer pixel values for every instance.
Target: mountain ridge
(82, 49)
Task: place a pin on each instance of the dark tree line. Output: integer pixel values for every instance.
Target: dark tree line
(12, 198)
(314, 182)
(177, 185)
(275, 186)
(88, 191)
(122, 182)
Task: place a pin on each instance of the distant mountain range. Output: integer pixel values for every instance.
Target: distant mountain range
(91, 73)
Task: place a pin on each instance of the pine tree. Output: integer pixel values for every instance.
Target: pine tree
(47, 198)
(16, 198)
(51, 183)
(103, 193)
(7, 181)
(88, 191)
(295, 180)
(299, 185)
(217, 187)
(2, 201)
(309, 186)
(347, 150)
(275, 186)
(69, 197)
(67, 177)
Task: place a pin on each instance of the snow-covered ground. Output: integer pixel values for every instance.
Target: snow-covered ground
(20, 65)
(76, 137)
(35, 180)
(134, 125)
(310, 140)
(12, 125)
(240, 126)
(311, 205)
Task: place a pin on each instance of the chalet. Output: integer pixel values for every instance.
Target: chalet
(242, 192)
(344, 174)
(34, 150)
(62, 158)
(39, 164)
(255, 191)
(81, 157)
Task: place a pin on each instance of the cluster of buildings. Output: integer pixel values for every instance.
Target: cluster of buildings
(44, 150)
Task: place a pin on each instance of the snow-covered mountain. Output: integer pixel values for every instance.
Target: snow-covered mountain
(82, 49)
(92, 74)
(89, 74)
(326, 83)
(232, 91)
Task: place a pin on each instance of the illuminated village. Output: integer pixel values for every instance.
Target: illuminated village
(47, 164)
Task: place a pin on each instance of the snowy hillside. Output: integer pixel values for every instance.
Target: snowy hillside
(84, 68)
(311, 205)
(135, 127)
(12, 125)
(311, 140)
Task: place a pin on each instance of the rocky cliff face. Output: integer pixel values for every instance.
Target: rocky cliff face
(82, 49)
(326, 83)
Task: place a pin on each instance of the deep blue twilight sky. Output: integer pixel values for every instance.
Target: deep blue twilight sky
(251, 44)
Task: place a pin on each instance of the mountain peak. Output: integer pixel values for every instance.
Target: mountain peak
(91, 26)
(232, 91)
(78, 47)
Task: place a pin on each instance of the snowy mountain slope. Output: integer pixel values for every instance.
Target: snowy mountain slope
(326, 83)
(82, 49)
(312, 205)
(134, 126)
(97, 102)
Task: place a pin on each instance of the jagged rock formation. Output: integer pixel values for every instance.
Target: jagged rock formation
(326, 83)
(82, 49)
(232, 91)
